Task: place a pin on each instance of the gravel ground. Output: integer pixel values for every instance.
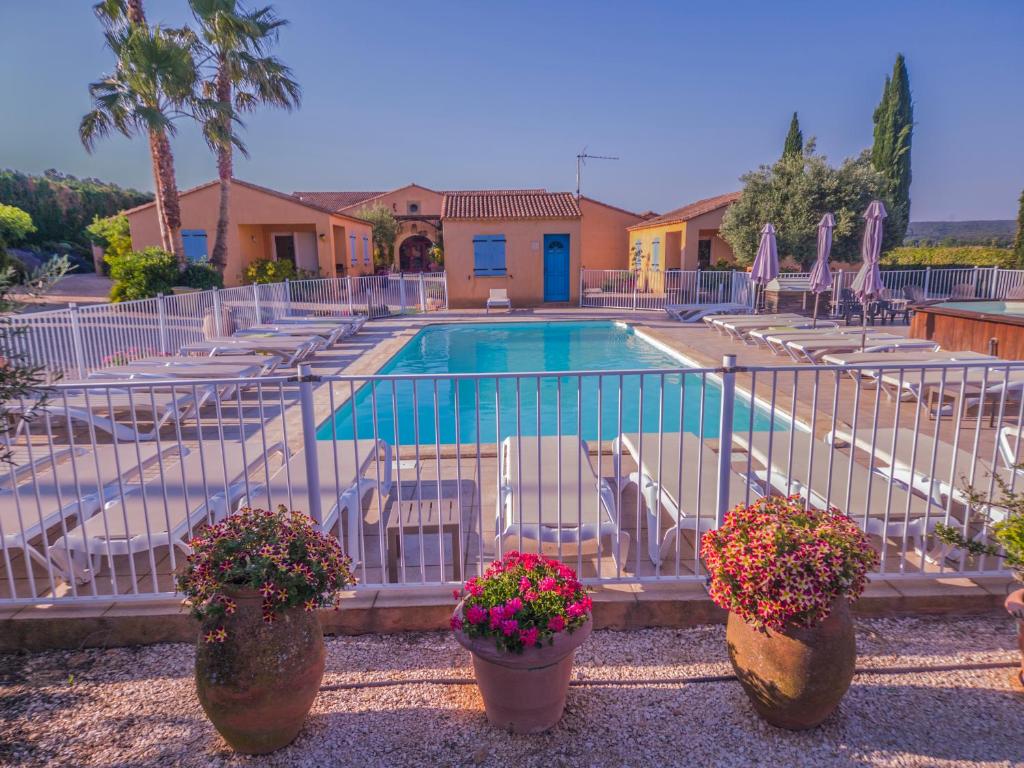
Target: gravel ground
(137, 706)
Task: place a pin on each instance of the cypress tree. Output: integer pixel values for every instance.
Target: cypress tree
(890, 153)
(1018, 242)
(794, 139)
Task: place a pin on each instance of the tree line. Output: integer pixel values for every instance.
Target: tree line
(212, 74)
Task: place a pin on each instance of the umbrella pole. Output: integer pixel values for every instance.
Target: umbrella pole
(864, 324)
(814, 322)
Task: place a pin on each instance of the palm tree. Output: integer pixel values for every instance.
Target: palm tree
(233, 45)
(153, 83)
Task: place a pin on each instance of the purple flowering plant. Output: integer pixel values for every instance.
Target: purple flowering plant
(281, 554)
(522, 601)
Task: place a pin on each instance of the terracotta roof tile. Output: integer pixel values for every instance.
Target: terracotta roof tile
(510, 204)
(335, 201)
(691, 211)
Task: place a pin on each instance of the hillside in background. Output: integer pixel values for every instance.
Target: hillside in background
(61, 206)
(996, 232)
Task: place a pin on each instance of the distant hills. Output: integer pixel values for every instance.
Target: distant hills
(997, 232)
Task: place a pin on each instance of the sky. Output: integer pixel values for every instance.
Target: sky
(451, 94)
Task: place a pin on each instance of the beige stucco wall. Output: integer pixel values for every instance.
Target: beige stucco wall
(604, 240)
(524, 261)
(709, 221)
(398, 201)
(254, 215)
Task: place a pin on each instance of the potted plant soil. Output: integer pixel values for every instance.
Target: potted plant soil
(787, 576)
(255, 582)
(523, 621)
(1005, 540)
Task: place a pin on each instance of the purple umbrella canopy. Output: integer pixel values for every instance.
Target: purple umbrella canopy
(821, 276)
(867, 285)
(766, 263)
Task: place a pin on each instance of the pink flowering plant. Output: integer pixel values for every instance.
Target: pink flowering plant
(522, 601)
(775, 563)
(281, 555)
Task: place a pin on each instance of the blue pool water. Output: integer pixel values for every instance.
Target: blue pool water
(1014, 308)
(531, 347)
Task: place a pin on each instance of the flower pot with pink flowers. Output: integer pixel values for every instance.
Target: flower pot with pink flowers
(255, 582)
(523, 621)
(787, 576)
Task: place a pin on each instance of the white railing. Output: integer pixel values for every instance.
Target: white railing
(625, 289)
(426, 478)
(77, 341)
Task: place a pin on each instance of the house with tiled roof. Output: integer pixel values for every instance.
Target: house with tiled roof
(530, 241)
(686, 237)
(264, 224)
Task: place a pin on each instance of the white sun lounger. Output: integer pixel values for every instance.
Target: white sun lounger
(811, 350)
(118, 412)
(1002, 377)
(47, 489)
(330, 333)
(894, 356)
(931, 468)
(728, 324)
(267, 363)
(348, 470)
(832, 478)
(533, 506)
(352, 323)
(687, 491)
(740, 329)
(1011, 448)
(294, 349)
(692, 313)
(203, 486)
(775, 338)
(167, 372)
(498, 299)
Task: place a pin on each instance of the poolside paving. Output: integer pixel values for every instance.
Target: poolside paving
(930, 692)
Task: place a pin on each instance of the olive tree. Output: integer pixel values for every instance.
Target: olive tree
(793, 193)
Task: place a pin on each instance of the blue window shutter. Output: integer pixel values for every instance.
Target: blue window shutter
(366, 250)
(194, 241)
(655, 254)
(489, 254)
(352, 250)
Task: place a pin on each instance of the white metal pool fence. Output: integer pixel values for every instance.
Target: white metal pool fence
(625, 289)
(75, 342)
(426, 478)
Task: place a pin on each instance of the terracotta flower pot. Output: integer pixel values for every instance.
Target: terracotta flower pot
(258, 685)
(795, 678)
(1015, 605)
(524, 693)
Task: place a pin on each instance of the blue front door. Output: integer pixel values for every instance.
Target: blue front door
(556, 267)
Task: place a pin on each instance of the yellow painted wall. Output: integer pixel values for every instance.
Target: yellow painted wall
(254, 214)
(647, 236)
(605, 244)
(524, 259)
(398, 201)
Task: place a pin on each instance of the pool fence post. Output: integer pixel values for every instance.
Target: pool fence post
(581, 287)
(217, 320)
(725, 425)
(423, 295)
(927, 280)
(256, 302)
(974, 281)
(401, 293)
(161, 323)
(76, 339)
(306, 383)
(993, 281)
(348, 285)
(287, 298)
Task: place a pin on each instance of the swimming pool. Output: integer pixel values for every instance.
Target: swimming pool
(611, 403)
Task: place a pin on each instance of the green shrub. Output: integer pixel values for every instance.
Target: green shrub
(201, 275)
(142, 274)
(270, 271)
(946, 256)
(111, 233)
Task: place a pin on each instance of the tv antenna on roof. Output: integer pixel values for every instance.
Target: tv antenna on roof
(581, 160)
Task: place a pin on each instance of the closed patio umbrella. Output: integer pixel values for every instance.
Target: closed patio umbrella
(821, 276)
(867, 285)
(766, 262)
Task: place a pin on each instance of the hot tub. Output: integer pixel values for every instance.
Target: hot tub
(995, 327)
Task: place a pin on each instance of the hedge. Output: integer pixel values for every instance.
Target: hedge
(950, 256)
